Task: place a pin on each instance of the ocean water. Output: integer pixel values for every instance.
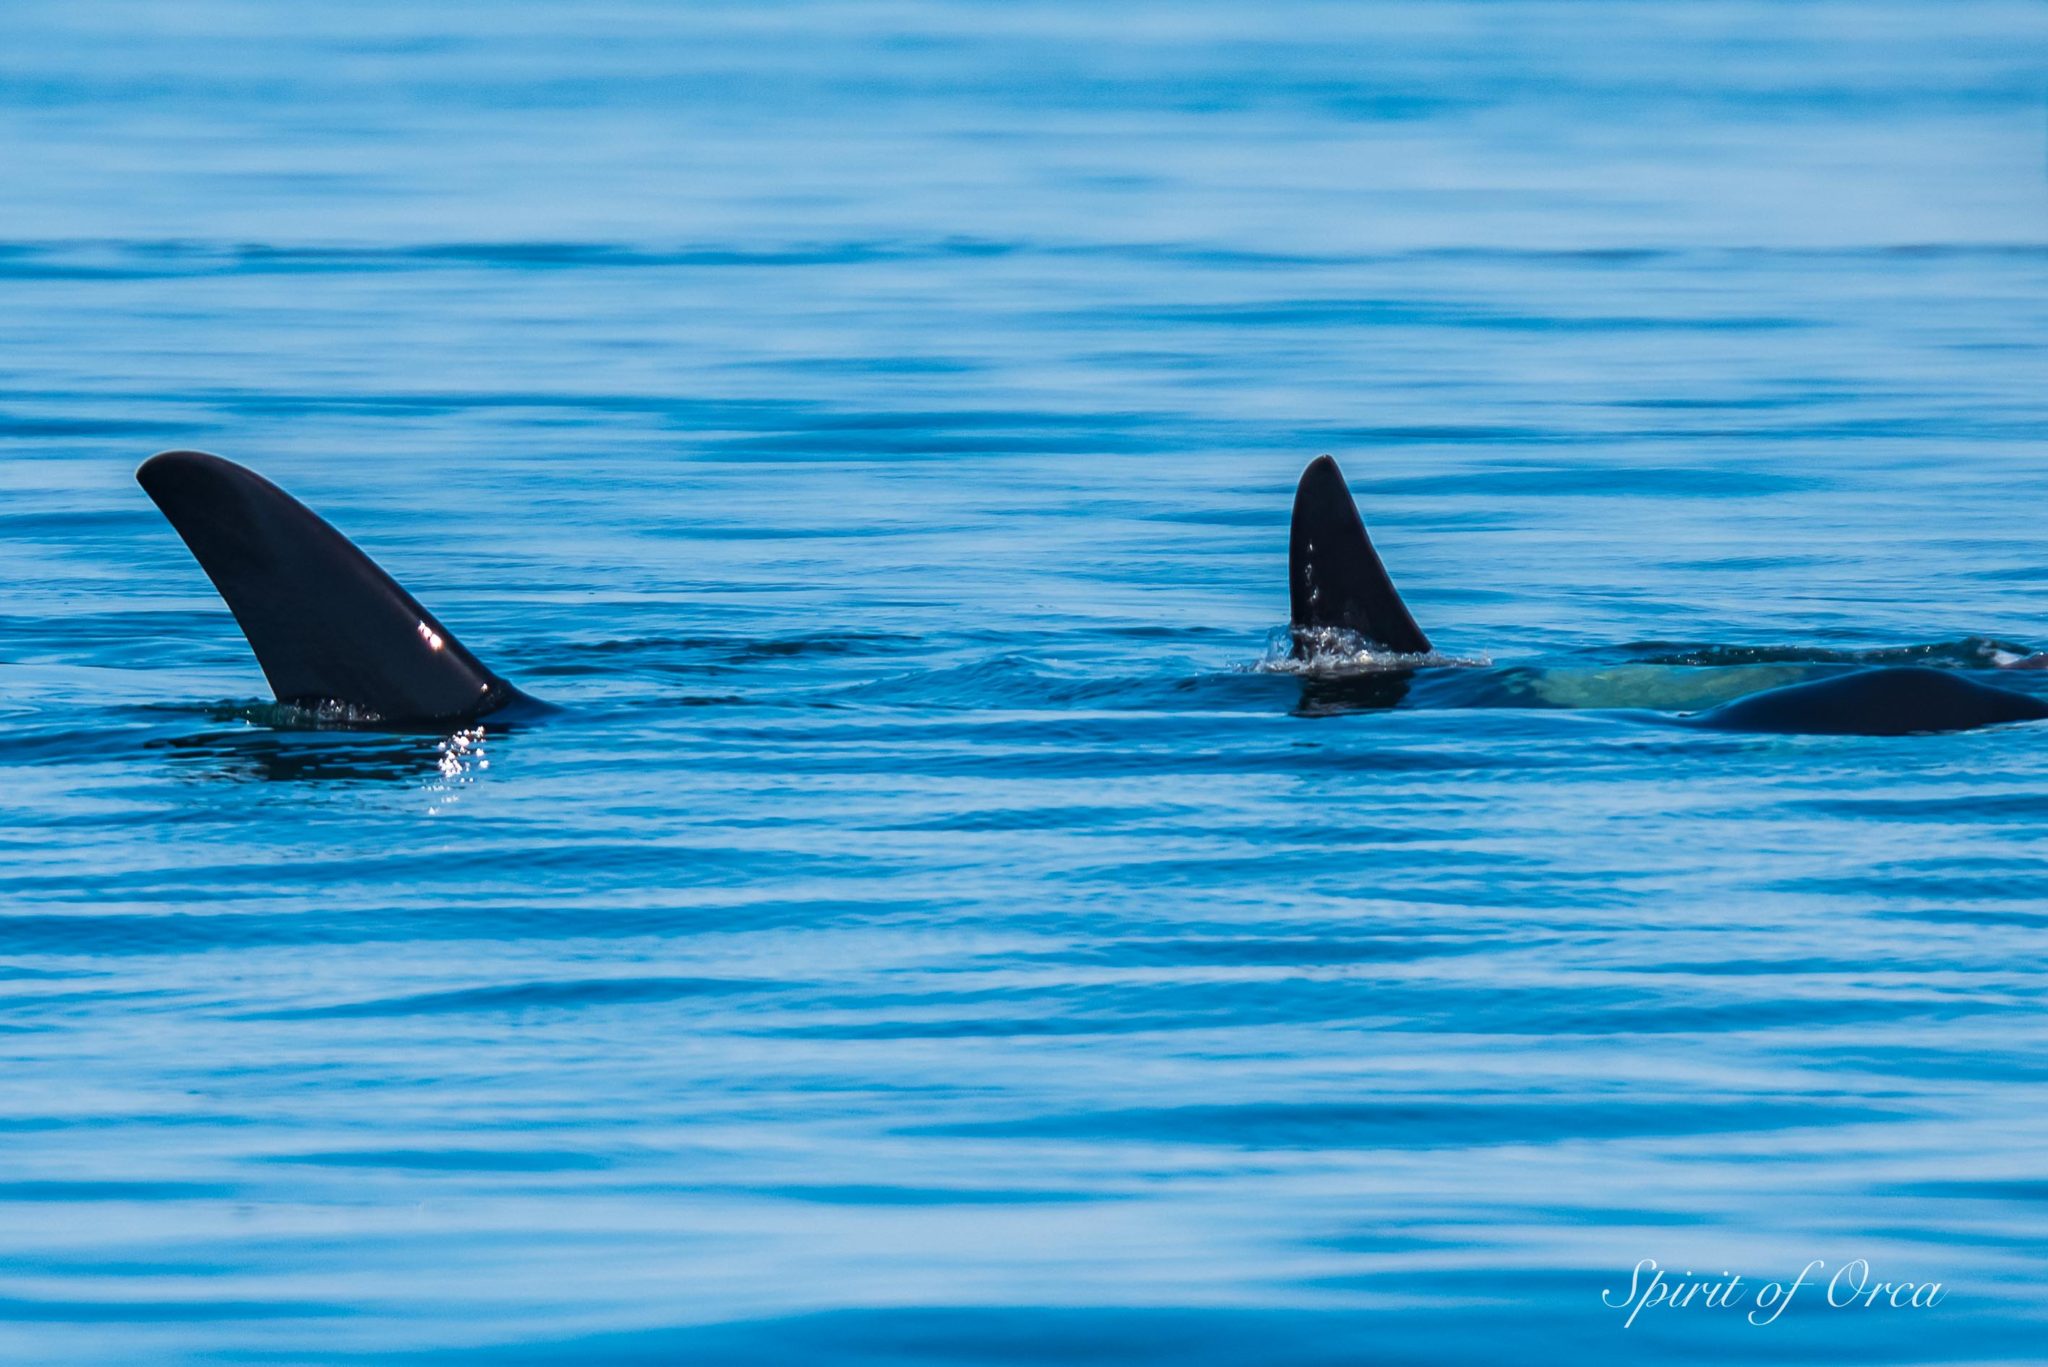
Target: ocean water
(927, 935)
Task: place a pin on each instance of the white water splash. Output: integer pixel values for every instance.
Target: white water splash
(327, 714)
(1333, 652)
(459, 759)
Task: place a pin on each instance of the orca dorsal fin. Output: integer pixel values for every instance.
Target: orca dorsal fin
(1335, 578)
(326, 624)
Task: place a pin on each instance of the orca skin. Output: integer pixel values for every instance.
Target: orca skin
(1334, 576)
(1900, 700)
(1336, 580)
(326, 624)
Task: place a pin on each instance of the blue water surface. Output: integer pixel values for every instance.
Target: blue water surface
(928, 935)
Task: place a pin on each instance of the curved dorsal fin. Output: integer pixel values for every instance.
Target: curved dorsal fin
(326, 624)
(1335, 577)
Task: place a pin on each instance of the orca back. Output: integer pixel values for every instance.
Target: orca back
(1898, 701)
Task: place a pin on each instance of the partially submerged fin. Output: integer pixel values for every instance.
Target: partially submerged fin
(1335, 578)
(326, 624)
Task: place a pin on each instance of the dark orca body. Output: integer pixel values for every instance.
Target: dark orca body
(328, 627)
(1337, 582)
(1898, 701)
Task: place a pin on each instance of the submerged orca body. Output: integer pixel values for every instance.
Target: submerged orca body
(1337, 583)
(328, 627)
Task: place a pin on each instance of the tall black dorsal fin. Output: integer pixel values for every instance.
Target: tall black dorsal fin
(326, 624)
(1335, 577)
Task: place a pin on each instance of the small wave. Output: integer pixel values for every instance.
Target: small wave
(1969, 652)
(1333, 652)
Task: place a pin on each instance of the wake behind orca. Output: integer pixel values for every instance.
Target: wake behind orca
(335, 634)
(1340, 591)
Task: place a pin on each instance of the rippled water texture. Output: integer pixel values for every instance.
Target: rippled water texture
(927, 936)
